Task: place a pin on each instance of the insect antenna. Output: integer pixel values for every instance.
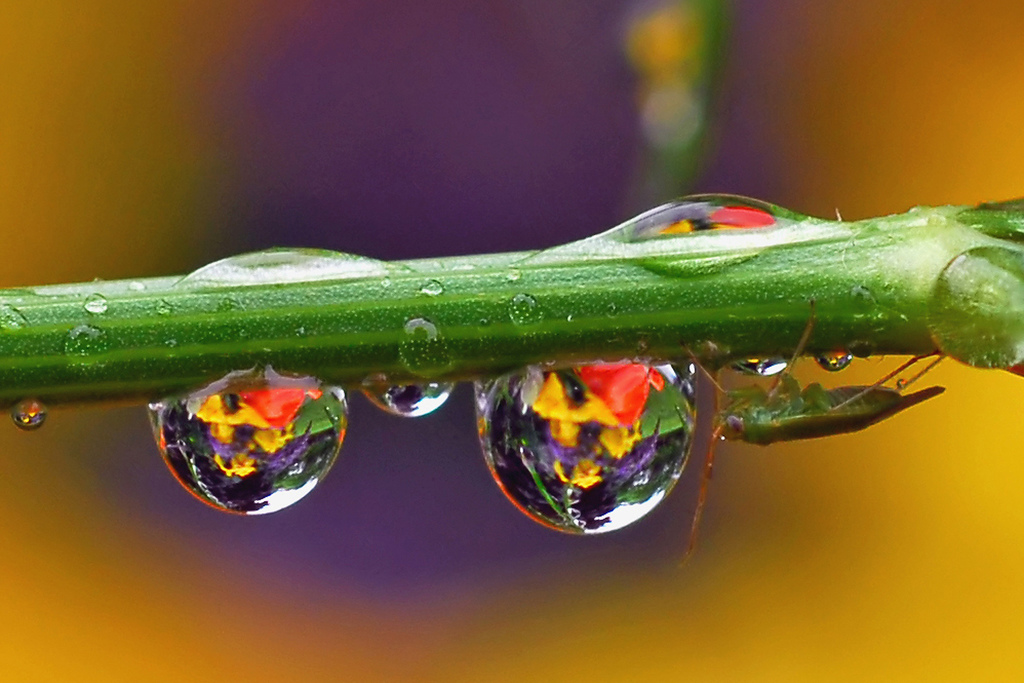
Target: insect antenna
(902, 368)
(800, 346)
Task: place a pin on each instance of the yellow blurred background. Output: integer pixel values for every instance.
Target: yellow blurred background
(890, 554)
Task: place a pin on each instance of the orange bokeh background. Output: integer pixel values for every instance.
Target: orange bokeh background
(890, 554)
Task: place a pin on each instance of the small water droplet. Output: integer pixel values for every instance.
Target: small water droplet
(765, 367)
(28, 414)
(11, 318)
(85, 339)
(523, 310)
(252, 442)
(228, 304)
(862, 294)
(137, 286)
(423, 348)
(386, 282)
(409, 400)
(96, 304)
(513, 275)
(568, 318)
(163, 307)
(432, 288)
(834, 361)
(591, 448)
(171, 343)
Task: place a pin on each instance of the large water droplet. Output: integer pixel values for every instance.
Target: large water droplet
(976, 313)
(834, 361)
(96, 304)
(699, 213)
(286, 265)
(588, 449)
(409, 400)
(252, 442)
(765, 367)
(423, 348)
(523, 310)
(28, 414)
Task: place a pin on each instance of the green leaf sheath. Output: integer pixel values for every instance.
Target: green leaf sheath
(880, 286)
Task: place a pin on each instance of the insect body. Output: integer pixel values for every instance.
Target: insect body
(763, 417)
(787, 412)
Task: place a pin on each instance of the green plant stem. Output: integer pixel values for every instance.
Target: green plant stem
(721, 295)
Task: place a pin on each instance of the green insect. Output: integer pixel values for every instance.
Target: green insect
(788, 412)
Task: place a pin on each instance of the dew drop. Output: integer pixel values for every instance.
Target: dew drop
(11, 318)
(409, 400)
(587, 449)
(834, 361)
(136, 286)
(513, 275)
(252, 442)
(28, 414)
(432, 288)
(523, 310)
(765, 367)
(96, 304)
(423, 349)
(83, 340)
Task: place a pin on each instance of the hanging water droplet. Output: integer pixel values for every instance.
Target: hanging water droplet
(523, 310)
(253, 442)
(11, 318)
(409, 400)
(423, 349)
(28, 414)
(96, 304)
(591, 448)
(834, 361)
(432, 288)
(765, 367)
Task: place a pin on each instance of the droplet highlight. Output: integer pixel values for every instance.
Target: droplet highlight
(763, 367)
(409, 400)
(588, 449)
(834, 361)
(432, 288)
(423, 349)
(28, 414)
(96, 304)
(253, 442)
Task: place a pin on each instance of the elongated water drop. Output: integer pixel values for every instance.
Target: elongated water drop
(253, 442)
(28, 414)
(409, 400)
(765, 367)
(587, 449)
(834, 361)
